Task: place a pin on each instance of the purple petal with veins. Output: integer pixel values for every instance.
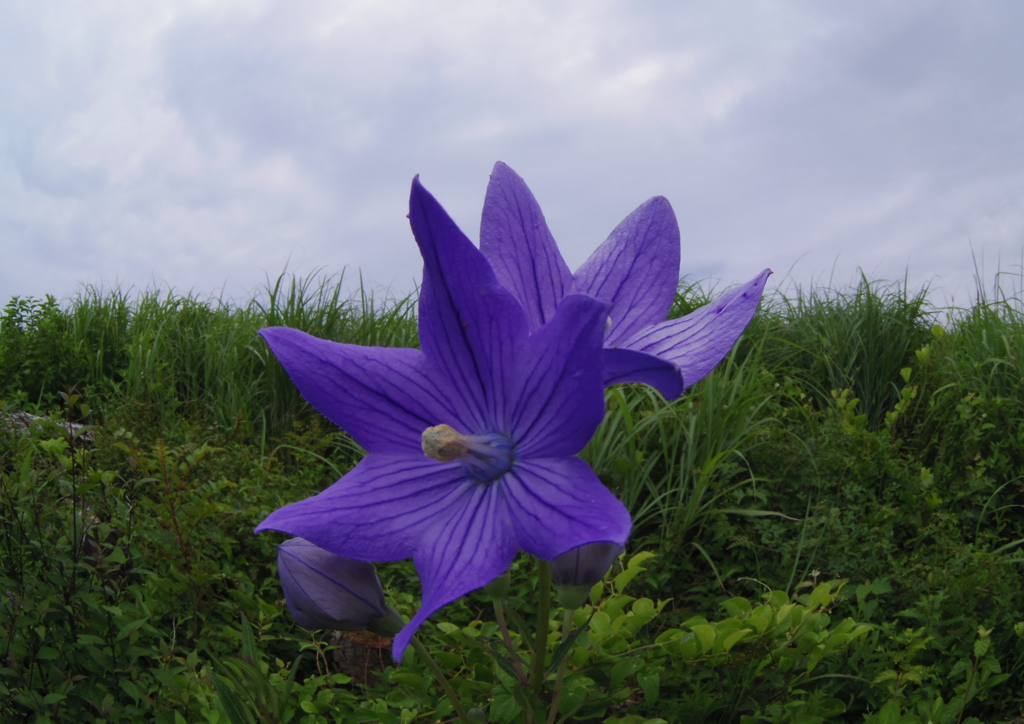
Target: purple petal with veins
(628, 365)
(383, 397)
(702, 339)
(559, 503)
(636, 270)
(515, 238)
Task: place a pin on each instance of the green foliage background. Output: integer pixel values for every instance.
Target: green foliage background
(836, 514)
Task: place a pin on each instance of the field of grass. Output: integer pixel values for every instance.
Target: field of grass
(847, 489)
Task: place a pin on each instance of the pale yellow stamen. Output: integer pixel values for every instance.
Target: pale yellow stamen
(444, 443)
(485, 456)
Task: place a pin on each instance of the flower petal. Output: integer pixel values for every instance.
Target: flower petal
(471, 328)
(702, 339)
(557, 504)
(465, 551)
(381, 510)
(627, 365)
(559, 398)
(516, 240)
(383, 397)
(636, 269)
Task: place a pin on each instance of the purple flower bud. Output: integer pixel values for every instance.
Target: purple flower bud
(326, 591)
(585, 565)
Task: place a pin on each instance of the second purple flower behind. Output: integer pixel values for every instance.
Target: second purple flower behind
(636, 270)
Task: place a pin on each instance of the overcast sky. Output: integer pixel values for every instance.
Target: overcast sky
(207, 144)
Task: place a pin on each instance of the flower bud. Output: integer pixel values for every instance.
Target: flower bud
(576, 571)
(585, 565)
(326, 591)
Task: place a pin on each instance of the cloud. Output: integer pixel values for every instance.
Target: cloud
(208, 143)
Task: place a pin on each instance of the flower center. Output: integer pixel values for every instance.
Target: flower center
(485, 457)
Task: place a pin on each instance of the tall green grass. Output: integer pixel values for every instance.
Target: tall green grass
(984, 350)
(966, 422)
(857, 339)
(315, 305)
(178, 356)
(674, 462)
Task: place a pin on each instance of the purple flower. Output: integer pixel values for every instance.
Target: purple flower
(636, 270)
(325, 591)
(499, 408)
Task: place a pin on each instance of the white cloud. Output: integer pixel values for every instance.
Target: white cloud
(210, 141)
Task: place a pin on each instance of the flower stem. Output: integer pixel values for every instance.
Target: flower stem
(499, 614)
(566, 629)
(540, 642)
(441, 679)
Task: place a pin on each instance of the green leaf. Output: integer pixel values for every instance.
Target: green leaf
(311, 707)
(504, 709)
(601, 624)
(130, 628)
(651, 685)
(565, 646)
(501, 659)
(249, 652)
(672, 634)
(128, 686)
(736, 606)
(640, 558)
(690, 647)
(821, 596)
(734, 638)
(230, 704)
(706, 635)
(644, 607)
(624, 669)
(760, 622)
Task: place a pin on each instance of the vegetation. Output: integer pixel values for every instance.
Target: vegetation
(836, 516)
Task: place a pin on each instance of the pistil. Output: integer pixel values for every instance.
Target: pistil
(486, 457)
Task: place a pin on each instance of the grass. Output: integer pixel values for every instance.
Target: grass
(187, 356)
(857, 339)
(847, 435)
(672, 462)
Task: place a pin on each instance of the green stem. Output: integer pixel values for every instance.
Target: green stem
(540, 643)
(566, 629)
(499, 614)
(441, 679)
